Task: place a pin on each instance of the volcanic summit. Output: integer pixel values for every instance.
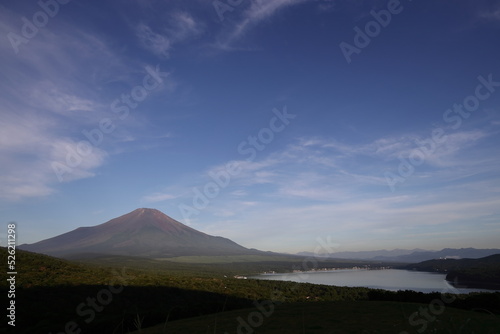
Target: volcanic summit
(142, 232)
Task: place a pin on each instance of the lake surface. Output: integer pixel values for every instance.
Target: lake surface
(387, 279)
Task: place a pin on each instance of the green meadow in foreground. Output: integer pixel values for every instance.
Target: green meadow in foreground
(334, 317)
(123, 294)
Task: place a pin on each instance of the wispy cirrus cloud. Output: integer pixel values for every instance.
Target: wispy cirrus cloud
(155, 42)
(260, 10)
(161, 40)
(361, 220)
(492, 14)
(158, 197)
(48, 96)
(44, 110)
(29, 143)
(184, 26)
(256, 13)
(320, 169)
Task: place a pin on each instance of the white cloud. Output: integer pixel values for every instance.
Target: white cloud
(47, 96)
(48, 99)
(258, 11)
(319, 186)
(44, 109)
(355, 219)
(450, 152)
(181, 26)
(239, 193)
(79, 167)
(184, 26)
(490, 15)
(156, 43)
(327, 5)
(158, 197)
(28, 147)
(322, 169)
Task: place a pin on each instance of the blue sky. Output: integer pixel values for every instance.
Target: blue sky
(278, 124)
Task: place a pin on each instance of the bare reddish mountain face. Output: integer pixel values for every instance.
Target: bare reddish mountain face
(142, 232)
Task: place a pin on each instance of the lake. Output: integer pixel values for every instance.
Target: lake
(387, 279)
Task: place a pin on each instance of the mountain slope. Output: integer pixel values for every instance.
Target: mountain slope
(483, 273)
(142, 232)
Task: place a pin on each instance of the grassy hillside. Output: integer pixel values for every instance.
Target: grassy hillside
(120, 294)
(43, 270)
(332, 317)
(476, 273)
(231, 259)
(223, 265)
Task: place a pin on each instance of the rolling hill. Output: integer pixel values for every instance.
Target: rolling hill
(472, 273)
(194, 298)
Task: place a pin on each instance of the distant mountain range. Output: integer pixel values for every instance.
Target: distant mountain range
(367, 254)
(142, 232)
(411, 256)
(151, 233)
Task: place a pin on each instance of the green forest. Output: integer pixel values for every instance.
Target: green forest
(124, 294)
(474, 273)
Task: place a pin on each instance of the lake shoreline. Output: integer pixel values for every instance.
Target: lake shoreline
(390, 279)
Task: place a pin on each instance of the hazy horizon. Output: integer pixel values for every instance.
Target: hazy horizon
(279, 124)
(326, 245)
